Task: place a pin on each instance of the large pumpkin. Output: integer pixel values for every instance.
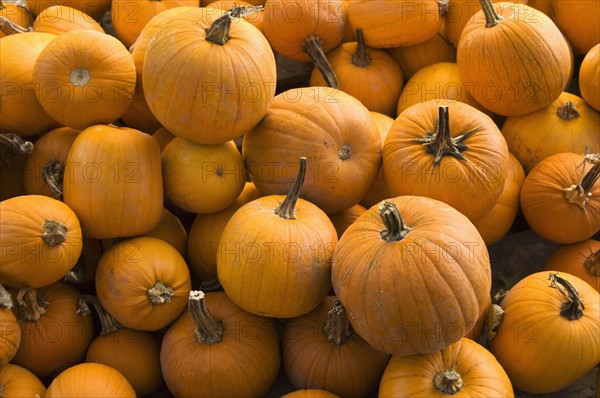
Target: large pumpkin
(89, 380)
(413, 275)
(223, 71)
(15, 17)
(581, 259)
(578, 20)
(60, 18)
(589, 77)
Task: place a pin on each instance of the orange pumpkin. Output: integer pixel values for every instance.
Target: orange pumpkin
(143, 283)
(570, 209)
(171, 230)
(217, 100)
(59, 19)
(89, 380)
(118, 169)
(10, 331)
(464, 368)
(15, 17)
(94, 8)
(135, 118)
(310, 393)
(577, 19)
(413, 275)
(515, 67)
(217, 332)
(41, 240)
(581, 259)
(589, 77)
(16, 381)
(561, 328)
(342, 220)
(84, 77)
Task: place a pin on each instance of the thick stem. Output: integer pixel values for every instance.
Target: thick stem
(287, 208)
(16, 143)
(107, 322)
(313, 46)
(6, 301)
(52, 173)
(443, 7)
(360, 58)
(54, 233)
(567, 111)
(160, 293)
(31, 304)
(337, 327)
(592, 263)
(572, 309)
(10, 28)
(395, 229)
(208, 329)
(448, 381)
(219, 31)
(581, 193)
(491, 16)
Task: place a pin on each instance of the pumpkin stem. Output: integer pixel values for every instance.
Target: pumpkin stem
(313, 46)
(443, 7)
(360, 58)
(567, 111)
(160, 293)
(494, 317)
(54, 233)
(287, 208)
(592, 263)
(31, 304)
(16, 143)
(218, 31)
(345, 152)
(581, 193)
(395, 229)
(572, 309)
(448, 381)
(6, 301)
(337, 327)
(440, 142)
(10, 28)
(109, 324)
(491, 16)
(52, 173)
(208, 329)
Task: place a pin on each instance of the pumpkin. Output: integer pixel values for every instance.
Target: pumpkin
(54, 333)
(561, 329)
(274, 255)
(515, 67)
(498, 222)
(215, 349)
(206, 230)
(577, 20)
(589, 77)
(171, 230)
(13, 155)
(84, 77)
(94, 8)
(41, 240)
(21, 112)
(137, 119)
(306, 31)
(44, 168)
(447, 151)
(566, 125)
(333, 130)
(544, 6)
(310, 393)
(463, 368)
(163, 136)
(581, 259)
(118, 169)
(413, 275)
(393, 23)
(134, 353)
(143, 283)
(218, 100)
(320, 350)
(83, 274)
(14, 12)
(89, 380)
(202, 178)
(342, 220)
(348, 31)
(10, 331)
(570, 209)
(59, 19)
(437, 81)
(16, 381)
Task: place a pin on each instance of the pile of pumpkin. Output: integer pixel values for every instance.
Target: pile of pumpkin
(172, 217)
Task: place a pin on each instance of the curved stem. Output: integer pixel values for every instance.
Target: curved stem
(11, 28)
(109, 324)
(160, 293)
(448, 381)
(395, 229)
(572, 309)
(567, 111)
(52, 173)
(313, 46)
(581, 193)
(208, 329)
(6, 301)
(592, 263)
(219, 31)
(360, 58)
(287, 208)
(31, 305)
(16, 143)
(491, 16)
(337, 327)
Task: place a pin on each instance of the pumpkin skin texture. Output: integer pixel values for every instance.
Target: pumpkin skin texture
(442, 260)
(321, 351)
(517, 67)
(240, 364)
(59, 19)
(473, 184)
(84, 77)
(578, 20)
(589, 77)
(333, 130)
(378, 190)
(310, 393)
(581, 259)
(118, 169)
(533, 331)
(143, 283)
(94, 8)
(16, 381)
(10, 331)
(342, 220)
(171, 230)
(574, 217)
(218, 100)
(415, 375)
(21, 113)
(89, 380)
(136, 119)
(41, 241)
(566, 125)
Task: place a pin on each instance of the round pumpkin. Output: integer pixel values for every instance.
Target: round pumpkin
(89, 380)
(15, 17)
(413, 275)
(581, 259)
(135, 118)
(342, 220)
(589, 77)
(577, 20)
(561, 329)
(10, 331)
(17, 381)
(171, 230)
(60, 18)
(41, 241)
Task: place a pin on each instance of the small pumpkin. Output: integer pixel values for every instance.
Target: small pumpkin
(581, 259)
(589, 77)
(89, 380)
(10, 331)
(17, 381)
(14, 12)
(577, 20)
(60, 18)
(171, 230)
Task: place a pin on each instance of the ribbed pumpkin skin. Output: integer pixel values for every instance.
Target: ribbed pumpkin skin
(413, 375)
(378, 190)
(89, 380)
(223, 90)
(59, 19)
(578, 20)
(16, 381)
(16, 13)
(421, 293)
(589, 77)
(571, 259)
